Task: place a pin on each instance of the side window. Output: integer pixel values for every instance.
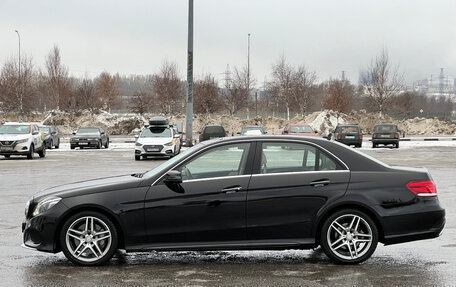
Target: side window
(326, 163)
(227, 160)
(287, 157)
(35, 128)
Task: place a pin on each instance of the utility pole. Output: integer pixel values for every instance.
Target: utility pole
(189, 116)
(20, 79)
(248, 75)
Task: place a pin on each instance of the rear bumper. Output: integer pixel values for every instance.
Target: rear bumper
(385, 141)
(350, 141)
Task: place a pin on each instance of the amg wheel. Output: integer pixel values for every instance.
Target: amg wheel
(88, 238)
(349, 236)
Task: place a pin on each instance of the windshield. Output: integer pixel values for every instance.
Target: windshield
(156, 133)
(385, 129)
(301, 129)
(247, 129)
(88, 131)
(171, 162)
(15, 129)
(46, 130)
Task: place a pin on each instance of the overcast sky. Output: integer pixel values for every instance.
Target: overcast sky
(135, 37)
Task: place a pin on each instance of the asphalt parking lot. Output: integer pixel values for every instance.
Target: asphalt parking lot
(421, 263)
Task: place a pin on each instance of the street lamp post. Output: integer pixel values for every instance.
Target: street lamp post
(248, 75)
(20, 79)
(189, 116)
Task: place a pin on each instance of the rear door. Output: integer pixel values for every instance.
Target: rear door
(291, 182)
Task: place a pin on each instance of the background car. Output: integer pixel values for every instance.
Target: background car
(51, 136)
(252, 131)
(299, 130)
(349, 135)
(157, 139)
(241, 193)
(21, 139)
(210, 132)
(385, 134)
(89, 137)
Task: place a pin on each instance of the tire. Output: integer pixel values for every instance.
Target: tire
(99, 145)
(107, 143)
(338, 243)
(397, 145)
(90, 235)
(42, 152)
(374, 145)
(51, 145)
(72, 147)
(137, 157)
(58, 144)
(7, 156)
(31, 152)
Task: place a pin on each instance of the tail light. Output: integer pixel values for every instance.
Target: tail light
(360, 137)
(374, 135)
(422, 188)
(396, 135)
(226, 134)
(339, 136)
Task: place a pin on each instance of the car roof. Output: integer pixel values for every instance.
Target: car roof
(17, 124)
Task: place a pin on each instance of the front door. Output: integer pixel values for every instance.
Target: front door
(292, 182)
(212, 205)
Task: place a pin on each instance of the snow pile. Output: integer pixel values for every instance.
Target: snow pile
(325, 122)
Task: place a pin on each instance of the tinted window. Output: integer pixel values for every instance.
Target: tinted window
(88, 131)
(326, 163)
(214, 130)
(287, 157)
(210, 163)
(385, 129)
(348, 129)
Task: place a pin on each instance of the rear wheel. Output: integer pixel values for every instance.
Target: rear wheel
(374, 145)
(42, 153)
(58, 144)
(7, 156)
(107, 143)
(72, 147)
(51, 144)
(349, 236)
(88, 238)
(31, 152)
(99, 145)
(397, 145)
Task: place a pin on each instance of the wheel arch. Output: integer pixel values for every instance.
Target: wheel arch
(348, 205)
(94, 208)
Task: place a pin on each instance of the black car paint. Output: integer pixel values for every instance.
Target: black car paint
(102, 137)
(269, 212)
(349, 138)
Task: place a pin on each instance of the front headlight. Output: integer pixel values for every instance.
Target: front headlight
(74, 139)
(27, 206)
(21, 141)
(138, 144)
(169, 144)
(45, 204)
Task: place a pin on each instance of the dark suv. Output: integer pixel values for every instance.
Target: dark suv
(385, 134)
(349, 135)
(209, 132)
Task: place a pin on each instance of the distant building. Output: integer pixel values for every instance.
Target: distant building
(440, 85)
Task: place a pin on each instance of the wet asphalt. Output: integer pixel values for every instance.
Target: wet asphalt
(419, 263)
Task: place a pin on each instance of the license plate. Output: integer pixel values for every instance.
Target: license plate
(349, 137)
(83, 143)
(152, 149)
(385, 136)
(6, 148)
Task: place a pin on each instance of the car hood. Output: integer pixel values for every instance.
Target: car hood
(13, 137)
(85, 136)
(155, 140)
(90, 186)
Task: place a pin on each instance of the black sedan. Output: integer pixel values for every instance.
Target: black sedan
(264, 192)
(89, 137)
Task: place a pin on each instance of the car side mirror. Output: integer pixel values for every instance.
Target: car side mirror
(177, 136)
(265, 132)
(315, 131)
(74, 133)
(136, 136)
(35, 133)
(103, 133)
(285, 132)
(53, 133)
(173, 179)
(238, 133)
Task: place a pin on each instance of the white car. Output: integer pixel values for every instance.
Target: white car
(157, 141)
(21, 139)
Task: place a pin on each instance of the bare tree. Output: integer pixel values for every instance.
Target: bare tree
(86, 96)
(107, 89)
(11, 87)
(167, 87)
(282, 82)
(58, 79)
(206, 96)
(141, 102)
(303, 88)
(381, 82)
(339, 96)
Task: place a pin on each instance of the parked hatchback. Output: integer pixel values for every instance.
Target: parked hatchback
(51, 136)
(210, 132)
(385, 134)
(349, 135)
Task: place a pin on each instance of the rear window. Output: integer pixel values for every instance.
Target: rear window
(348, 129)
(385, 129)
(214, 130)
(301, 129)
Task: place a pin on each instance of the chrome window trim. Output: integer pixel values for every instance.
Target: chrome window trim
(218, 177)
(260, 140)
(300, 172)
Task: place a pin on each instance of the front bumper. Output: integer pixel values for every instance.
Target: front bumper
(156, 150)
(16, 149)
(41, 232)
(85, 143)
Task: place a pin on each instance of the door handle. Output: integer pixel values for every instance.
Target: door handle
(232, 189)
(320, 182)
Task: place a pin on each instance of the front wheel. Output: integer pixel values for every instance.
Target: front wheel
(349, 236)
(31, 152)
(88, 238)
